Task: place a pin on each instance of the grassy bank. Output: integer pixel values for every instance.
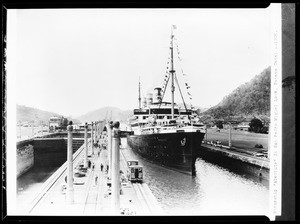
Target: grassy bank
(239, 139)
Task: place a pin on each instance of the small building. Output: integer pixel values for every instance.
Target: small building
(243, 127)
(56, 123)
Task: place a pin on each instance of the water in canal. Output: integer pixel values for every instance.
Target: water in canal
(214, 190)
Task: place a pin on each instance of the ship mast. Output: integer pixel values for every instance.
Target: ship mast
(172, 71)
(139, 94)
(173, 76)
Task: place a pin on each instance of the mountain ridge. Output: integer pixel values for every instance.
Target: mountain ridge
(249, 99)
(36, 116)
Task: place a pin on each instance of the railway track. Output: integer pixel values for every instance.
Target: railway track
(90, 194)
(148, 203)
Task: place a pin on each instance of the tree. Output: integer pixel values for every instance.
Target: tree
(255, 125)
(264, 129)
(219, 124)
(64, 122)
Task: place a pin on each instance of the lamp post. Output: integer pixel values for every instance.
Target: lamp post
(86, 145)
(115, 168)
(109, 144)
(70, 192)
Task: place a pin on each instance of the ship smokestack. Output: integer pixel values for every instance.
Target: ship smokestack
(139, 94)
(158, 96)
(149, 99)
(144, 102)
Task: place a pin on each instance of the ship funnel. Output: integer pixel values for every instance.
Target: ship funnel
(144, 102)
(157, 93)
(149, 99)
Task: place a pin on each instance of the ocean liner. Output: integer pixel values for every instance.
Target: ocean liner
(163, 132)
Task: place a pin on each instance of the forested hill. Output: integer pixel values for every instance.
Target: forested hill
(37, 116)
(249, 99)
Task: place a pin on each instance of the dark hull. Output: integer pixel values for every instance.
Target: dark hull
(174, 150)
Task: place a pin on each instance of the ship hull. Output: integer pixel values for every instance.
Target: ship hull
(174, 150)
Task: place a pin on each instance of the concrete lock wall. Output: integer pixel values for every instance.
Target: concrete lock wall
(25, 159)
(49, 152)
(77, 143)
(235, 164)
(56, 149)
(64, 135)
(43, 153)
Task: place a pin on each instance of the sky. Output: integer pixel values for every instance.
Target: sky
(73, 61)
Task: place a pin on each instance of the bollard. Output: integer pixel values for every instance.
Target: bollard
(115, 177)
(109, 144)
(85, 164)
(92, 141)
(70, 192)
(229, 142)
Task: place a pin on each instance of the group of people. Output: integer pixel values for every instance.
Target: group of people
(101, 168)
(215, 143)
(92, 164)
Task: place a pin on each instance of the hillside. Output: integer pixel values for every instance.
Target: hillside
(110, 113)
(248, 100)
(30, 114)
